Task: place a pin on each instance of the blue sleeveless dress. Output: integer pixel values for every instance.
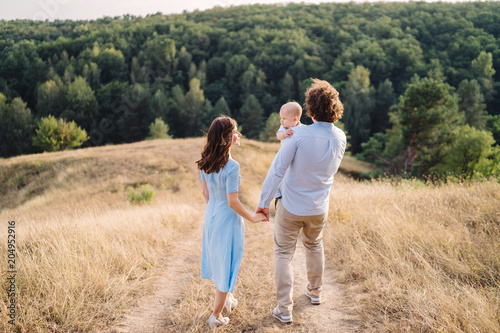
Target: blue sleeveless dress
(223, 229)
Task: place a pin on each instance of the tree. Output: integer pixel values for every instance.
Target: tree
(470, 148)
(15, 128)
(112, 65)
(57, 135)
(359, 104)
(272, 125)
(191, 109)
(235, 68)
(82, 103)
(92, 74)
(185, 59)
(111, 109)
(17, 66)
(158, 105)
(159, 55)
(221, 108)
(436, 71)
(135, 120)
(493, 125)
(253, 82)
(250, 118)
(471, 103)
(175, 104)
(51, 98)
(384, 100)
(373, 149)
(287, 88)
(207, 115)
(214, 91)
(158, 130)
(216, 69)
(423, 126)
(483, 68)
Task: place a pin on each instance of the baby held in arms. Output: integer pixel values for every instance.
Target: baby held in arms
(290, 114)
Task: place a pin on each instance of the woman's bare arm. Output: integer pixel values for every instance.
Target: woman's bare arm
(235, 204)
(204, 190)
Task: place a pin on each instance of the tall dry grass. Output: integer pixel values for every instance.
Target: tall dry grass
(414, 257)
(84, 253)
(420, 258)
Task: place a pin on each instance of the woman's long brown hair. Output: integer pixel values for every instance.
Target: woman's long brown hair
(215, 154)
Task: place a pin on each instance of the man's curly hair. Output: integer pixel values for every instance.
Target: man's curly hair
(323, 103)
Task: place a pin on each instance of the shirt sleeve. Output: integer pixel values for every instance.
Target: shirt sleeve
(276, 172)
(202, 175)
(233, 179)
(281, 129)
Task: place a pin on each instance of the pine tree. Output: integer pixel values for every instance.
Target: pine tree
(158, 130)
(384, 99)
(82, 103)
(272, 125)
(51, 99)
(250, 118)
(423, 126)
(469, 153)
(359, 103)
(57, 134)
(484, 71)
(471, 103)
(16, 127)
(194, 100)
(207, 115)
(221, 108)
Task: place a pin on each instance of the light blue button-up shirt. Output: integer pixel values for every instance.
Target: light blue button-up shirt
(305, 165)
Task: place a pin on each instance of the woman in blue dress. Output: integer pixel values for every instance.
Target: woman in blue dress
(223, 228)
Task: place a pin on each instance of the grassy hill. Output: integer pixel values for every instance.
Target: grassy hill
(413, 256)
(104, 172)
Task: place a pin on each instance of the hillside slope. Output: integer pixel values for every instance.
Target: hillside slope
(411, 256)
(102, 173)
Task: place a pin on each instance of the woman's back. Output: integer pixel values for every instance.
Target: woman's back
(225, 181)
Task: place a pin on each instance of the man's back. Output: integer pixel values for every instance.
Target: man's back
(310, 158)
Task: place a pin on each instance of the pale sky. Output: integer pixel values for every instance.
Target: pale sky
(93, 9)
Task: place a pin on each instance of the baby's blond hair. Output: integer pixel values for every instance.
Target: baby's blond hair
(292, 108)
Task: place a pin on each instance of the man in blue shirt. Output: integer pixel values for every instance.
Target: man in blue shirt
(305, 166)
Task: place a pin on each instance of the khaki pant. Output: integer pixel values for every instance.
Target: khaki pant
(286, 231)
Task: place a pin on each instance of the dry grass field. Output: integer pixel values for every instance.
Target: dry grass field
(411, 257)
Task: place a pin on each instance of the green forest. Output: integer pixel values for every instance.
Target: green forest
(419, 81)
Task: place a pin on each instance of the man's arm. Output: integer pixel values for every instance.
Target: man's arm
(276, 172)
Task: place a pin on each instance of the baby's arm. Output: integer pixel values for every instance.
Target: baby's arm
(280, 135)
(283, 133)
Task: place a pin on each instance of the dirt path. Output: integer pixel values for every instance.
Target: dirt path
(150, 312)
(333, 313)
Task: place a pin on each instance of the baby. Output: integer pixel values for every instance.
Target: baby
(290, 117)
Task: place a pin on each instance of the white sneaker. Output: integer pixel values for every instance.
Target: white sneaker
(283, 317)
(212, 321)
(231, 303)
(315, 300)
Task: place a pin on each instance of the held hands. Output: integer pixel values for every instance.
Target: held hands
(263, 211)
(259, 217)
